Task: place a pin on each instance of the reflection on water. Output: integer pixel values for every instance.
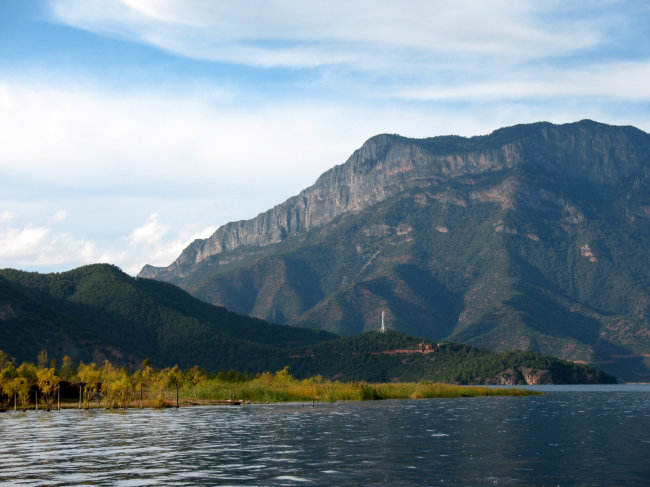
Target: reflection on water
(563, 438)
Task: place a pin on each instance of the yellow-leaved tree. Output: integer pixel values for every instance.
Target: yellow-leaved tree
(48, 383)
(88, 375)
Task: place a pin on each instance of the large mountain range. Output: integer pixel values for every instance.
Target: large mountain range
(534, 237)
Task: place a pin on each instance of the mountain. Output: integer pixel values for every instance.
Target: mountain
(394, 356)
(98, 312)
(533, 237)
(28, 326)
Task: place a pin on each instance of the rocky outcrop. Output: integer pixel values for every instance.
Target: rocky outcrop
(387, 164)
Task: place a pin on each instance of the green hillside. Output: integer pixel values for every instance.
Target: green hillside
(137, 318)
(98, 313)
(394, 356)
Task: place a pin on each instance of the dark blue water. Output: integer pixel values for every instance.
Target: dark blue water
(579, 436)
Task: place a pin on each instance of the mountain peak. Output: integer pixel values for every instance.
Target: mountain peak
(387, 164)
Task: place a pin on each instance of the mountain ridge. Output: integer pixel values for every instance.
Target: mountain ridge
(309, 209)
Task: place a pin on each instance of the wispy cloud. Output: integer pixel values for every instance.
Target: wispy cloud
(60, 216)
(6, 216)
(308, 34)
(108, 142)
(424, 50)
(618, 81)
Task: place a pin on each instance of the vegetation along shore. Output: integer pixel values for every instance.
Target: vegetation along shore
(46, 386)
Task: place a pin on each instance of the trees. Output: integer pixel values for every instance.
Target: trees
(13, 383)
(117, 386)
(141, 378)
(68, 370)
(88, 376)
(19, 388)
(7, 374)
(48, 383)
(173, 378)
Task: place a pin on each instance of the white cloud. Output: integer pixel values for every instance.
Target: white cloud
(146, 141)
(151, 233)
(15, 242)
(618, 81)
(37, 247)
(158, 244)
(306, 34)
(60, 216)
(28, 246)
(6, 216)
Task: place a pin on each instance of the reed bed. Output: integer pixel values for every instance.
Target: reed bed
(270, 388)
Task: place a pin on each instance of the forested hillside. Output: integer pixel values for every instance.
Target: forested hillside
(97, 313)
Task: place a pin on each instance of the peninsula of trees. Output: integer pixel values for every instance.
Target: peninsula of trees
(45, 386)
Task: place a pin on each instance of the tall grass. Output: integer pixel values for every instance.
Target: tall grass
(282, 387)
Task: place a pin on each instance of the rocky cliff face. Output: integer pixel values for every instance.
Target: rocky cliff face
(388, 164)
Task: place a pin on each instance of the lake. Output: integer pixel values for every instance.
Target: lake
(584, 435)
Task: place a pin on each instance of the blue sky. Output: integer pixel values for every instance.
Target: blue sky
(129, 128)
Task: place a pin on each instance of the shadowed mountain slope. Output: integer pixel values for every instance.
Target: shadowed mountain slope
(97, 311)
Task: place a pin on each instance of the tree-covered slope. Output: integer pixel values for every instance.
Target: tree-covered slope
(394, 356)
(28, 325)
(137, 318)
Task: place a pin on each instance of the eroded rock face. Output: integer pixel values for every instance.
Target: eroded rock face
(522, 375)
(388, 164)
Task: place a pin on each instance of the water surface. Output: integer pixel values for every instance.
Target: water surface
(570, 436)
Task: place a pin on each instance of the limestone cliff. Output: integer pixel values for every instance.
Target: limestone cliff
(388, 164)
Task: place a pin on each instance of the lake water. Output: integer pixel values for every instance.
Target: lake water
(588, 436)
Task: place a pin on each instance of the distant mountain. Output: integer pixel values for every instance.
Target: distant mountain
(534, 237)
(98, 312)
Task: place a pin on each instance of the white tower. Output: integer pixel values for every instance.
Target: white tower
(383, 328)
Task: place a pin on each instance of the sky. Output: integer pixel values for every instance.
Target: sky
(128, 128)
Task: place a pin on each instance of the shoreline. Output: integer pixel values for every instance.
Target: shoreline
(369, 393)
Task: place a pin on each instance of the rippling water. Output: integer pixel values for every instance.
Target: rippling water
(567, 437)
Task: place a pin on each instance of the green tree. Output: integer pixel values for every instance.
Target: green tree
(143, 377)
(173, 379)
(68, 369)
(43, 359)
(157, 386)
(194, 377)
(4, 360)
